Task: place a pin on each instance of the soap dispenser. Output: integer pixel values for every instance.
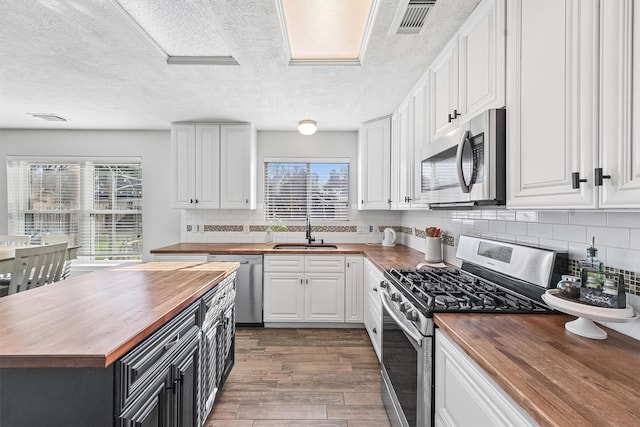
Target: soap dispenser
(592, 269)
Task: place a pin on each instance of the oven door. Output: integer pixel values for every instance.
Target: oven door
(407, 377)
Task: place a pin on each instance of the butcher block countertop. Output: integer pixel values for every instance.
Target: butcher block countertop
(384, 257)
(93, 319)
(559, 378)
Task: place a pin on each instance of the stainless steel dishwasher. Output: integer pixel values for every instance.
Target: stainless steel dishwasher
(248, 287)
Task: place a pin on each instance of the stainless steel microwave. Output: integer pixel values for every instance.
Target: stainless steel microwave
(467, 167)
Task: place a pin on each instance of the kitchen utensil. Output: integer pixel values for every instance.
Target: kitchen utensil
(389, 238)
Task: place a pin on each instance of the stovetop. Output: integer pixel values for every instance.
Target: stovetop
(453, 290)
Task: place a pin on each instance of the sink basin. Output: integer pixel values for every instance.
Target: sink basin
(303, 246)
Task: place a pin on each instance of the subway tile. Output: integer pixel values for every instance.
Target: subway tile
(499, 227)
(527, 216)
(517, 228)
(506, 237)
(557, 245)
(531, 241)
(588, 218)
(570, 233)
(489, 214)
(577, 250)
(539, 230)
(554, 217)
(623, 219)
(626, 259)
(506, 215)
(635, 239)
(474, 214)
(481, 225)
(468, 223)
(609, 236)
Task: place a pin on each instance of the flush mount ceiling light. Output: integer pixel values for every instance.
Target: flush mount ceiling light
(307, 127)
(326, 32)
(50, 117)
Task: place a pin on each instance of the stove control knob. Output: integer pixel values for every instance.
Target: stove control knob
(412, 315)
(396, 296)
(383, 284)
(404, 306)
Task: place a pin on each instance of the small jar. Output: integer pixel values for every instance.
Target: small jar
(569, 286)
(610, 287)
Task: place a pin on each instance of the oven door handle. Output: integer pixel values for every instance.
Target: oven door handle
(410, 334)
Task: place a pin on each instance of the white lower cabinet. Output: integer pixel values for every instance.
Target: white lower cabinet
(466, 396)
(304, 288)
(354, 289)
(373, 305)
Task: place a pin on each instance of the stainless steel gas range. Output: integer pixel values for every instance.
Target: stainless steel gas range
(495, 277)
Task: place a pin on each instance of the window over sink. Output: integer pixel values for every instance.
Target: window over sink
(98, 200)
(295, 189)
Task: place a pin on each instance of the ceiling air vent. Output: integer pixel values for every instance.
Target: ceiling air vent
(411, 16)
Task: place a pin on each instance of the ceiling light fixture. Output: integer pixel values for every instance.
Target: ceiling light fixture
(307, 127)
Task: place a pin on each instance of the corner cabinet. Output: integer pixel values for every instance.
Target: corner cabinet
(374, 164)
(468, 76)
(572, 129)
(466, 396)
(213, 166)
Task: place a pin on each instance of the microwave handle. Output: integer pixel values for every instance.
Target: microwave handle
(461, 145)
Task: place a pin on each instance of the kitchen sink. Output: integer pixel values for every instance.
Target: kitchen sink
(303, 246)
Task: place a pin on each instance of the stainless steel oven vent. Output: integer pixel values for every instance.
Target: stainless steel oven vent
(413, 16)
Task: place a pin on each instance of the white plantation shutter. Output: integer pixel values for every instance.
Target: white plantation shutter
(99, 201)
(294, 190)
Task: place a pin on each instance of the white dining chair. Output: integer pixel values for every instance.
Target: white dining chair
(37, 266)
(49, 239)
(15, 240)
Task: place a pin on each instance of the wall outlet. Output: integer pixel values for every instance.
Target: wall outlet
(245, 228)
(362, 229)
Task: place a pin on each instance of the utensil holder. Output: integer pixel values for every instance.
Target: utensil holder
(433, 249)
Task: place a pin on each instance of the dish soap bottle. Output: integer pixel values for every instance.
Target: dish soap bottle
(592, 269)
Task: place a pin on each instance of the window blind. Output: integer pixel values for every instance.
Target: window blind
(99, 202)
(295, 190)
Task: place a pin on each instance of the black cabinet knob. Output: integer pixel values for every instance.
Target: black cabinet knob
(598, 177)
(575, 180)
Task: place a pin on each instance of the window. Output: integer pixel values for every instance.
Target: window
(98, 201)
(295, 190)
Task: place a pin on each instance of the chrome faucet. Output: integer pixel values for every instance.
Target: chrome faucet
(309, 238)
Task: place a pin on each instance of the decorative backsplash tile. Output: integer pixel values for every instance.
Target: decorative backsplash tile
(223, 228)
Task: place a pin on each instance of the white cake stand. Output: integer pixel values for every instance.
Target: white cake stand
(584, 325)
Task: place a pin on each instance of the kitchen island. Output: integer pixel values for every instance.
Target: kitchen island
(60, 344)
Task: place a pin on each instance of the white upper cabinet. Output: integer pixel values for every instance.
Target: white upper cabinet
(620, 104)
(214, 166)
(469, 74)
(402, 155)
(238, 167)
(196, 172)
(374, 163)
(420, 97)
(570, 103)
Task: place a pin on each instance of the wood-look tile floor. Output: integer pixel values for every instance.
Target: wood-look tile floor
(301, 377)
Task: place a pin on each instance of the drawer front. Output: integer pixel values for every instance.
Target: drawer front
(285, 263)
(138, 367)
(324, 264)
(218, 297)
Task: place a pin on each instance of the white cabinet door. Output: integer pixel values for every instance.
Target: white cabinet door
(481, 56)
(443, 79)
(420, 140)
(238, 165)
(207, 170)
(284, 297)
(620, 104)
(183, 155)
(324, 297)
(402, 157)
(354, 289)
(374, 163)
(373, 309)
(552, 93)
(466, 396)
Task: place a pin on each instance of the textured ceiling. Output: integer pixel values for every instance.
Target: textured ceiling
(80, 59)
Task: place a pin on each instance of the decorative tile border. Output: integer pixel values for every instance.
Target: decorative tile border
(261, 228)
(631, 278)
(446, 238)
(223, 228)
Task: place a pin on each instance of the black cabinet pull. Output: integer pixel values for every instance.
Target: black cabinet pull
(362, 202)
(174, 386)
(389, 201)
(450, 118)
(196, 201)
(191, 201)
(374, 330)
(456, 114)
(575, 180)
(598, 177)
